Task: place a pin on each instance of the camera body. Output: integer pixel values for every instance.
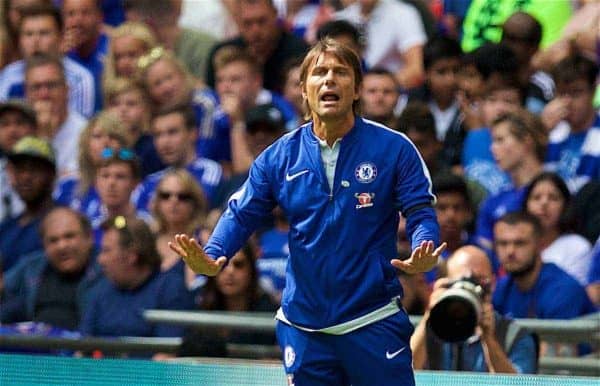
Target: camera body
(457, 312)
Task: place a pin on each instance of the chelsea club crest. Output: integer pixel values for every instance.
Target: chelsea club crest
(365, 172)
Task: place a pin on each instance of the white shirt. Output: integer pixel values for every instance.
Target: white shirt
(82, 91)
(66, 143)
(392, 29)
(571, 254)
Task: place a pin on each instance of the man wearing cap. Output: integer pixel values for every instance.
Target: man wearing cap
(16, 121)
(31, 171)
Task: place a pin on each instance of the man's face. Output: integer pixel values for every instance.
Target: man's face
(13, 127)
(258, 27)
(82, 18)
(452, 213)
(427, 145)
(442, 78)
(330, 88)
(238, 79)
(45, 83)
(114, 183)
(67, 246)
(579, 96)
(31, 179)
(378, 97)
(39, 35)
(516, 246)
(172, 139)
(113, 258)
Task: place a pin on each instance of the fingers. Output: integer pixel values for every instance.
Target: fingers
(221, 261)
(176, 248)
(438, 251)
(402, 265)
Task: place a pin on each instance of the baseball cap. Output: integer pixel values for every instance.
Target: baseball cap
(20, 106)
(33, 147)
(266, 117)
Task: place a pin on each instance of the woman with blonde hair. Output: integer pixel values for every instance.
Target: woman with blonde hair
(179, 205)
(129, 42)
(128, 100)
(102, 131)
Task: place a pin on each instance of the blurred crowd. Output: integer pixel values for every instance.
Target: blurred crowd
(125, 122)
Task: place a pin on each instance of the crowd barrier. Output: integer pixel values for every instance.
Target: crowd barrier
(577, 330)
(22, 370)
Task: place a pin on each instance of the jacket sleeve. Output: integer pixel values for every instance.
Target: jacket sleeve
(414, 196)
(247, 209)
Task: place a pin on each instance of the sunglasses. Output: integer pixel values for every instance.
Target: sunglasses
(164, 196)
(122, 154)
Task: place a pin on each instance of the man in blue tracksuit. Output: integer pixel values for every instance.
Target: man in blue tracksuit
(341, 181)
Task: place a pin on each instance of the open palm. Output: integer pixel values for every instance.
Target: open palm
(195, 257)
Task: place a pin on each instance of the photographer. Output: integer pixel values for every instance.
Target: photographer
(495, 345)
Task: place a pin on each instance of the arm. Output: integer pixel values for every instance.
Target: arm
(247, 209)
(413, 73)
(495, 357)
(418, 343)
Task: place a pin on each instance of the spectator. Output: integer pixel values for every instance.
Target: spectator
(238, 86)
(179, 205)
(573, 149)
(78, 191)
(292, 91)
(264, 124)
(502, 94)
(31, 170)
(133, 283)
(548, 198)
(484, 19)
(128, 42)
(9, 34)
(345, 33)
(522, 33)
(168, 83)
(442, 61)
(190, 46)
(454, 213)
(518, 146)
(84, 40)
(268, 43)
(379, 96)
(130, 102)
(17, 120)
(235, 288)
(593, 288)
(41, 32)
(531, 288)
(54, 286)
(174, 138)
(117, 175)
(46, 90)
(498, 345)
(394, 37)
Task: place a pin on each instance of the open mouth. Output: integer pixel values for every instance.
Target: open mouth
(329, 96)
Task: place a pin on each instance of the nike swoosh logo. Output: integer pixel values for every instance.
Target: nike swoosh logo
(290, 177)
(389, 355)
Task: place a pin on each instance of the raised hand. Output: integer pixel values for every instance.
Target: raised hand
(195, 257)
(422, 259)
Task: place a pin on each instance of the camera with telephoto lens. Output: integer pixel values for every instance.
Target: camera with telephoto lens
(455, 315)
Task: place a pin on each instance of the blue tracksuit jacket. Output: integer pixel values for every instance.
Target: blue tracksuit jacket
(342, 238)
